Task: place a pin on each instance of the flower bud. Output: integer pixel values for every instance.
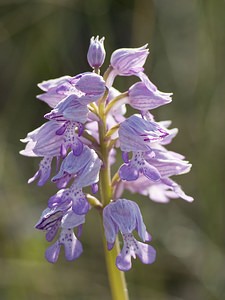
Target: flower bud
(96, 52)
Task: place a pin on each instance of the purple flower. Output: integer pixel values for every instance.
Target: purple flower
(171, 132)
(129, 61)
(73, 197)
(91, 85)
(96, 52)
(85, 127)
(144, 98)
(83, 168)
(69, 109)
(125, 216)
(44, 171)
(70, 138)
(53, 95)
(61, 217)
(86, 88)
(131, 169)
(50, 221)
(73, 247)
(137, 134)
(167, 164)
(160, 191)
(52, 139)
(172, 185)
(43, 141)
(156, 191)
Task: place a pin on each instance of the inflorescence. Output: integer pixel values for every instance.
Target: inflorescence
(85, 128)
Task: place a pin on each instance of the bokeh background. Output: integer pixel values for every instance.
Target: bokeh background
(45, 39)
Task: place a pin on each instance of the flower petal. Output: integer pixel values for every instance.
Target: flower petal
(151, 172)
(128, 172)
(73, 247)
(123, 261)
(80, 205)
(146, 253)
(52, 252)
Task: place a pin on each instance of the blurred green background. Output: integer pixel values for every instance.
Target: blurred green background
(45, 39)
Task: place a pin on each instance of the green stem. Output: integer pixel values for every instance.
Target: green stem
(105, 188)
(107, 72)
(116, 277)
(114, 101)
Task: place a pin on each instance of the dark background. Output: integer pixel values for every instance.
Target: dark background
(47, 39)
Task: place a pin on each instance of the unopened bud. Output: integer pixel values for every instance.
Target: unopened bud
(96, 52)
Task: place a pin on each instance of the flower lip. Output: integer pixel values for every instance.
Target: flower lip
(124, 215)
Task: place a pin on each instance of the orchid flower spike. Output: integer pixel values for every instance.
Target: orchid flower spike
(88, 128)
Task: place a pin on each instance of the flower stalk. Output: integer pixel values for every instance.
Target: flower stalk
(116, 277)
